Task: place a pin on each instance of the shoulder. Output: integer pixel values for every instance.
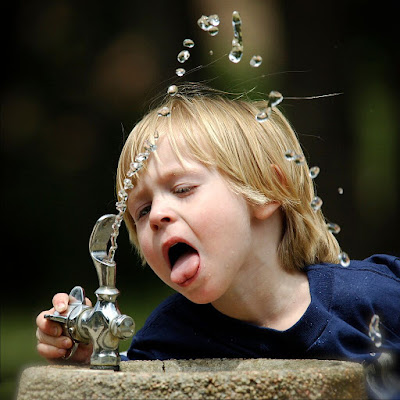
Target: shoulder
(350, 297)
(379, 268)
(379, 264)
(364, 288)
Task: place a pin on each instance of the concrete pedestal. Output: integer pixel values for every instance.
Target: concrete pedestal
(197, 379)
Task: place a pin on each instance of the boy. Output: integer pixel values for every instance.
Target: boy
(223, 217)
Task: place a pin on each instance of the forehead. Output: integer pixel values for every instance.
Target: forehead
(172, 157)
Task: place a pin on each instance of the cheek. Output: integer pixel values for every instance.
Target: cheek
(145, 247)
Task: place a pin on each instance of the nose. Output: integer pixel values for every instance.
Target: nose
(161, 215)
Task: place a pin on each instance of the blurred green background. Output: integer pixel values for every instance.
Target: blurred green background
(80, 74)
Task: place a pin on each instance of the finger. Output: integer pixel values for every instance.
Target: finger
(83, 353)
(88, 302)
(47, 326)
(61, 342)
(60, 302)
(50, 352)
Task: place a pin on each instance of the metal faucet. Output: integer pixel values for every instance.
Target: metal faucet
(103, 325)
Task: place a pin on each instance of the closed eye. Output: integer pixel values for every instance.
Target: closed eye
(184, 190)
(142, 212)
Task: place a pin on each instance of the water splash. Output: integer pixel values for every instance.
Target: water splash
(189, 43)
(314, 172)
(236, 52)
(344, 259)
(134, 167)
(374, 331)
(316, 203)
(256, 61)
(183, 56)
(333, 228)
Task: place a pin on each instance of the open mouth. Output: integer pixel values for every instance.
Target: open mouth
(179, 251)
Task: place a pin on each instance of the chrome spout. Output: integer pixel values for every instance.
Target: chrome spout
(106, 270)
(102, 325)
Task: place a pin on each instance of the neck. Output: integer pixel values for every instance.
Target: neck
(265, 293)
(276, 302)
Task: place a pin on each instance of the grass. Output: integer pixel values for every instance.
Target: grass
(18, 340)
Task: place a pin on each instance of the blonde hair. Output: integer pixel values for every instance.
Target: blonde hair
(223, 133)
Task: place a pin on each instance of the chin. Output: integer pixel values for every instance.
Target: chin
(201, 295)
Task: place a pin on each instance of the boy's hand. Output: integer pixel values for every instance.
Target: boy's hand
(51, 343)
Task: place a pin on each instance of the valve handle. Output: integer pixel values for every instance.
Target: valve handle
(77, 299)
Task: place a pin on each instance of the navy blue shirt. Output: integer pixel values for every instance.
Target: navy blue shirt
(334, 326)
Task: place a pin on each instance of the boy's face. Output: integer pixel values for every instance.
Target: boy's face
(195, 233)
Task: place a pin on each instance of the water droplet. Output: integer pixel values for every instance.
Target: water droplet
(131, 172)
(236, 53)
(213, 30)
(256, 61)
(209, 24)
(164, 112)
(142, 156)
(314, 171)
(299, 159)
(211, 53)
(183, 56)
(203, 22)
(332, 227)
(180, 71)
(344, 259)
(124, 196)
(119, 219)
(264, 114)
(150, 146)
(188, 43)
(120, 206)
(290, 155)
(172, 90)
(316, 203)
(128, 185)
(374, 332)
(340, 190)
(274, 98)
(134, 167)
(213, 20)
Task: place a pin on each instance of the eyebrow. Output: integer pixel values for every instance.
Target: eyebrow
(178, 172)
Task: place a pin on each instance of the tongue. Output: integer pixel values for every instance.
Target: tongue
(185, 267)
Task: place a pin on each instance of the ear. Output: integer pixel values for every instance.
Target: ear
(264, 211)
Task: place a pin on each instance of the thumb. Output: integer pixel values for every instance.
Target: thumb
(60, 302)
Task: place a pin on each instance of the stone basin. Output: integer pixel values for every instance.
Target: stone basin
(197, 379)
